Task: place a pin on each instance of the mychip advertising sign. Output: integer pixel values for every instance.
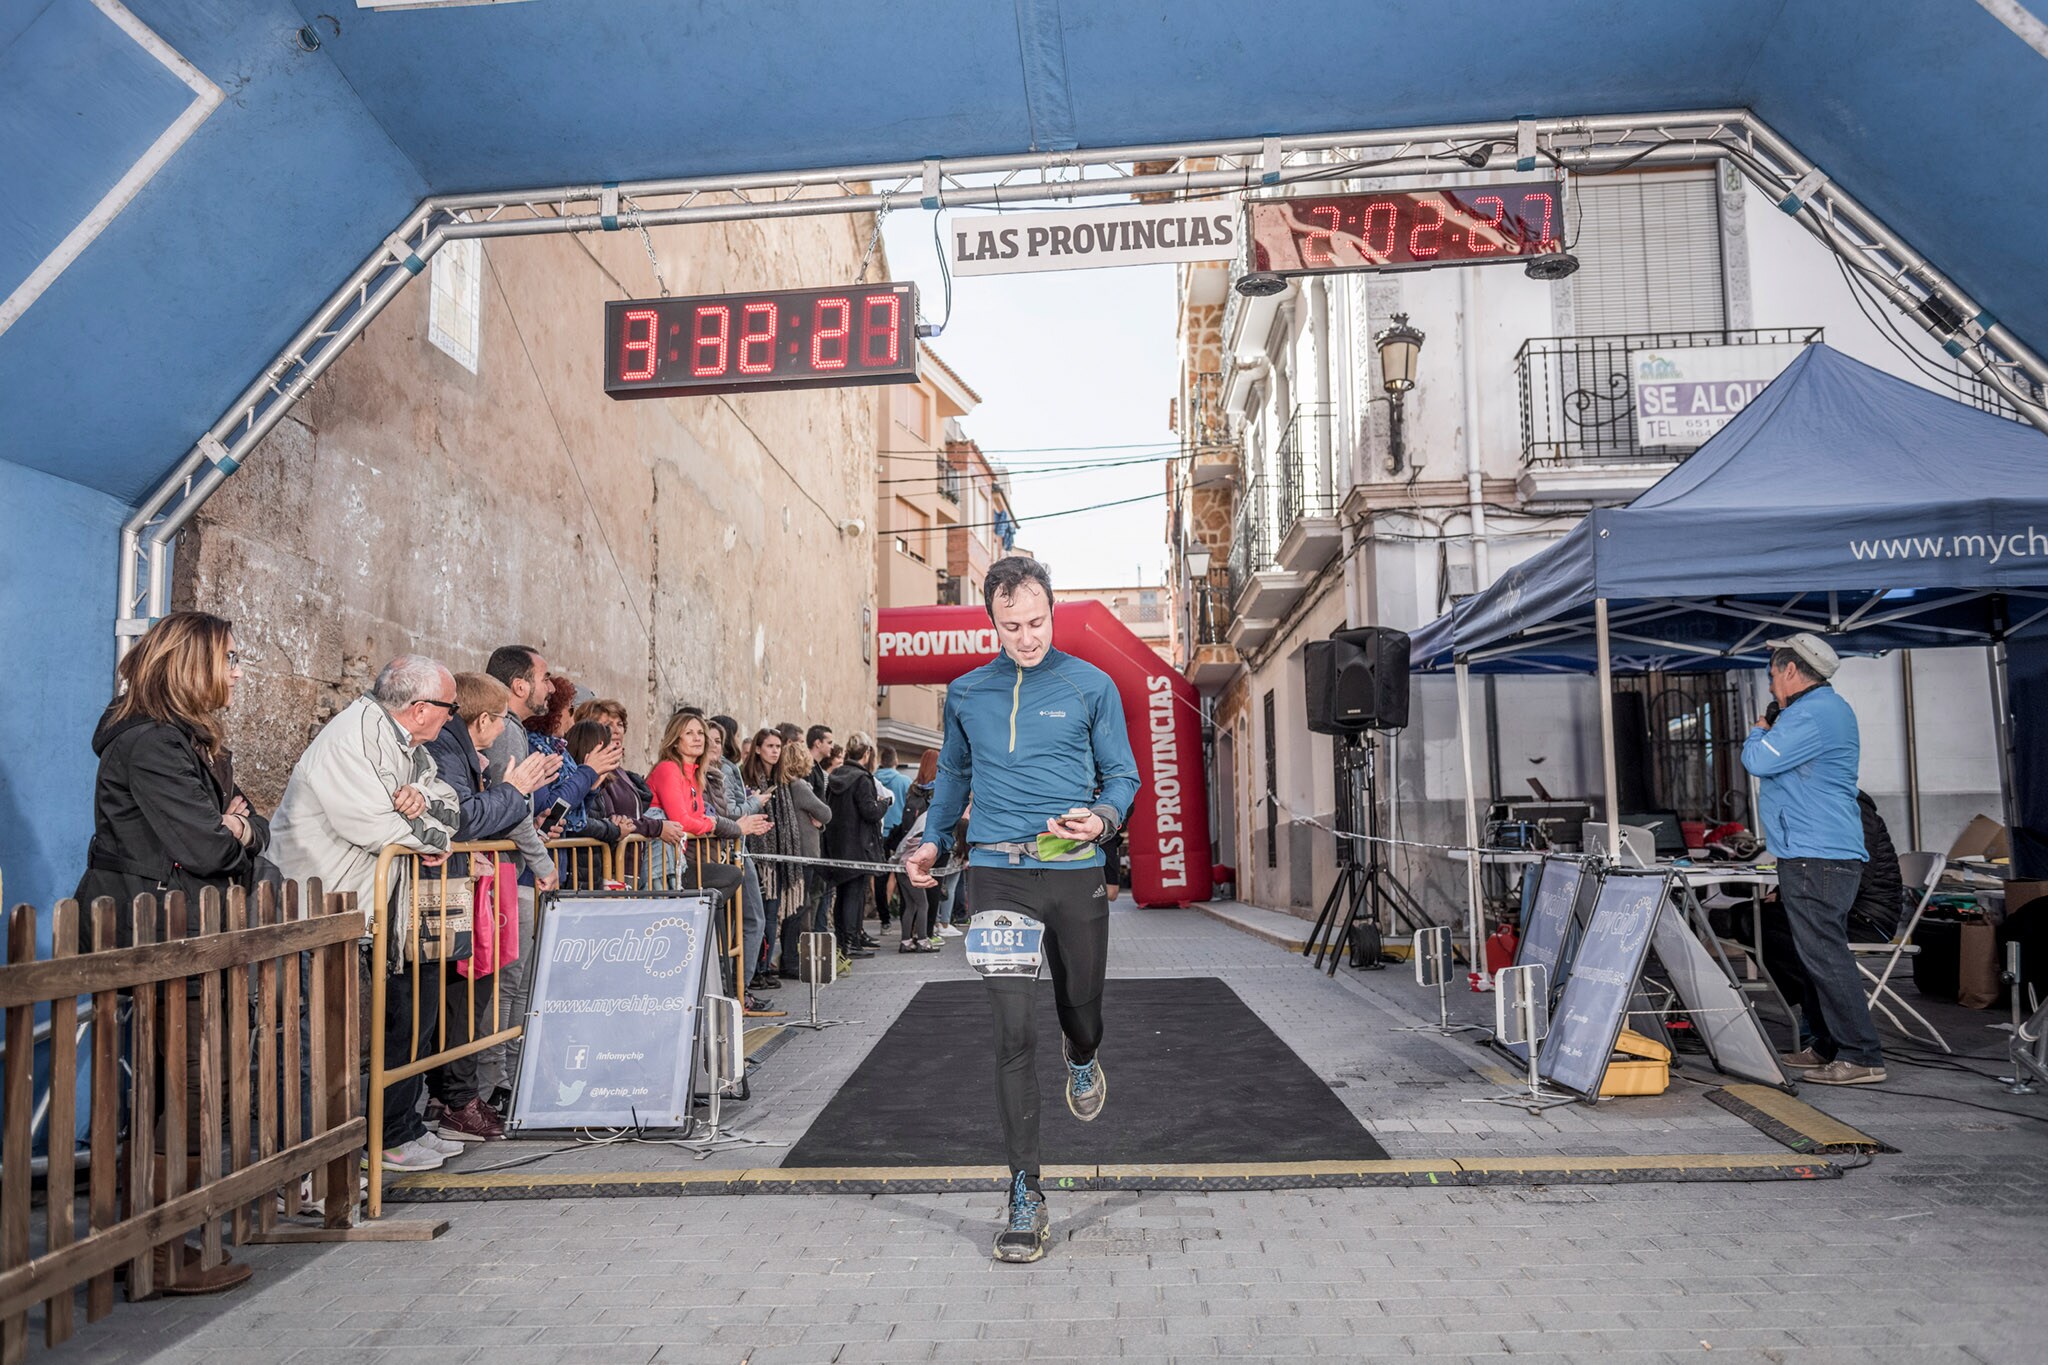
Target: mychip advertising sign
(611, 1029)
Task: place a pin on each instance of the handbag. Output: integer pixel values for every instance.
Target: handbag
(444, 914)
(495, 937)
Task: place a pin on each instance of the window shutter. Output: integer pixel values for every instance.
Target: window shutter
(1649, 247)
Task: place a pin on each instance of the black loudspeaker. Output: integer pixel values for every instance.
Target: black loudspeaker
(1357, 681)
(1632, 776)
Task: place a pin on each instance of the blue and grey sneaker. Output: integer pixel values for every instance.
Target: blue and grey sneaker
(1024, 1236)
(1087, 1087)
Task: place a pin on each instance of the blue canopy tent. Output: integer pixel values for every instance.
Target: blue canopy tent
(1842, 501)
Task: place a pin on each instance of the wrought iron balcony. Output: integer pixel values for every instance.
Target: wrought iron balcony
(949, 481)
(1251, 538)
(1578, 401)
(1305, 485)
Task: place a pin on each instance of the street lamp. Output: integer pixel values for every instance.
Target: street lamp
(1399, 346)
(1197, 558)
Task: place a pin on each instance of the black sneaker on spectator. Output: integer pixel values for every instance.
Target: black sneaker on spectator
(769, 982)
(434, 1111)
(759, 1009)
(1026, 1229)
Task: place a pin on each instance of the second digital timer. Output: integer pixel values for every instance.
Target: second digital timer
(1404, 230)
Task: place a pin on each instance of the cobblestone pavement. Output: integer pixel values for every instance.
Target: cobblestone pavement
(1935, 1254)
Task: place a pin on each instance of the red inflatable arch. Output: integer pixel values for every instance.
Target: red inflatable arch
(1168, 833)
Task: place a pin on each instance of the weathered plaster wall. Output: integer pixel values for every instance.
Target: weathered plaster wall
(408, 504)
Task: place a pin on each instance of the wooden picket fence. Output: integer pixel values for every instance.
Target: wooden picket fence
(242, 956)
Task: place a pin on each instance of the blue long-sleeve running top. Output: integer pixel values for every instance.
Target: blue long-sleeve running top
(1030, 744)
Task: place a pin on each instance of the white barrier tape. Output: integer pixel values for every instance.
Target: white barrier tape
(846, 865)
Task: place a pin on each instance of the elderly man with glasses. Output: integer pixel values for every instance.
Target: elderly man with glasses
(366, 782)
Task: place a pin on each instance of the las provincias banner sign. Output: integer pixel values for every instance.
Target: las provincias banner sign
(1168, 832)
(1087, 239)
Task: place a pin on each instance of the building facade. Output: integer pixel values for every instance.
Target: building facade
(460, 480)
(918, 505)
(1143, 609)
(1308, 499)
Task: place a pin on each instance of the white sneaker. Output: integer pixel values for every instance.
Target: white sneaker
(413, 1156)
(948, 931)
(440, 1144)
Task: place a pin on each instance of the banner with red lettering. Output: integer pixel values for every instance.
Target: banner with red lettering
(1168, 833)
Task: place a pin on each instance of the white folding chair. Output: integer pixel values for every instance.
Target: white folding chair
(1920, 872)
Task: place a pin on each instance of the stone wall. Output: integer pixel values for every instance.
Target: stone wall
(660, 551)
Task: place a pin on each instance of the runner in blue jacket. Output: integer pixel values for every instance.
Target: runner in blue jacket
(1037, 738)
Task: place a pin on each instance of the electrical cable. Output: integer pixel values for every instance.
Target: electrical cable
(946, 272)
(1887, 329)
(1020, 474)
(1021, 518)
(569, 454)
(1884, 1089)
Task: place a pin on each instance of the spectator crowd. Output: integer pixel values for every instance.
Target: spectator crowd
(430, 760)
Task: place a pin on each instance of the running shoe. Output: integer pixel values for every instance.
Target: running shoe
(439, 1143)
(1087, 1087)
(412, 1156)
(1027, 1229)
(948, 931)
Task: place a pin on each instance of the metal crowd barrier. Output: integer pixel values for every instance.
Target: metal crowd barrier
(584, 864)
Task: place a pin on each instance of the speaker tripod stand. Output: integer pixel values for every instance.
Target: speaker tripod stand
(1365, 883)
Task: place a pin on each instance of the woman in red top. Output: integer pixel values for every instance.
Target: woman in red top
(678, 784)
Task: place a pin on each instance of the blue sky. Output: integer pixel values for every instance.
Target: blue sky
(1063, 359)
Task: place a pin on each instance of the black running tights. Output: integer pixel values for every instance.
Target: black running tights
(1075, 912)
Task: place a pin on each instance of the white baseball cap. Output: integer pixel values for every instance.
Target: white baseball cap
(1816, 653)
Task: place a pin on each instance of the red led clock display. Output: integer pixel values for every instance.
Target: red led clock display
(790, 339)
(1410, 230)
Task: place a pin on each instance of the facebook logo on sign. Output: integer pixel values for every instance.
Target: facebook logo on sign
(577, 1056)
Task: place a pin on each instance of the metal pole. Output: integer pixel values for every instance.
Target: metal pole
(1912, 749)
(1613, 799)
(1474, 929)
(1995, 658)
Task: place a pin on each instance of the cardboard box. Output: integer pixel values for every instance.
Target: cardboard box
(1983, 838)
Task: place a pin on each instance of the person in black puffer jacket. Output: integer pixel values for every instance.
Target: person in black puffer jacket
(167, 816)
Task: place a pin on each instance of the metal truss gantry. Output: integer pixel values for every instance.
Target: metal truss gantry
(1247, 166)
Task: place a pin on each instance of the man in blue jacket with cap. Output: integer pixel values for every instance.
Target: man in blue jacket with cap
(1037, 737)
(1804, 752)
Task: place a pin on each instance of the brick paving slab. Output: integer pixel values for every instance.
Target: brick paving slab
(1935, 1254)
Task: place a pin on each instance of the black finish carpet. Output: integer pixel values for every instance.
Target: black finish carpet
(1194, 1076)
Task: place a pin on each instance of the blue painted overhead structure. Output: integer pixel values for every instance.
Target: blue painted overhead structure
(334, 121)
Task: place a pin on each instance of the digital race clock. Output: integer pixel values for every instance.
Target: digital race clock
(790, 339)
(1405, 230)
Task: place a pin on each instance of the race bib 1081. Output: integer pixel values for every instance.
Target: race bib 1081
(1005, 943)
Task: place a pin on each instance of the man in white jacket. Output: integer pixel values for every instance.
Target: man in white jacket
(364, 783)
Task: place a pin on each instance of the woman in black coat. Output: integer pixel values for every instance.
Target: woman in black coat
(167, 816)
